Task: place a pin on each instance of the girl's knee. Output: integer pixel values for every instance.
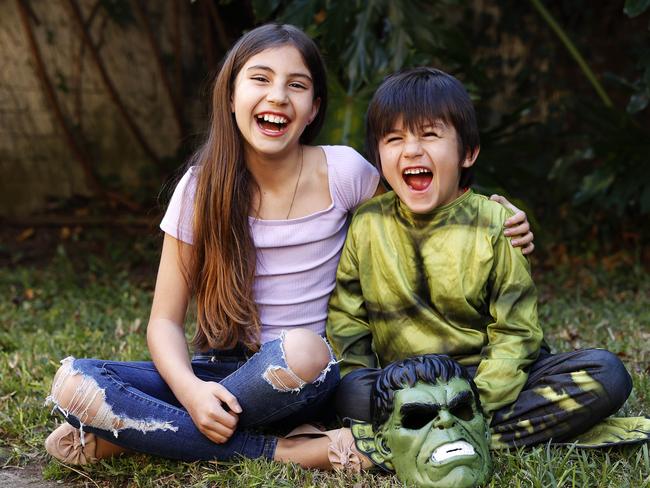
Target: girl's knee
(76, 393)
(306, 353)
(307, 356)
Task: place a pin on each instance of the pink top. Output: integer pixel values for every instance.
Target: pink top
(296, 258)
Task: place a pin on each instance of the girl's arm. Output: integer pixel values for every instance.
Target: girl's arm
(166, 340)
(517, 226)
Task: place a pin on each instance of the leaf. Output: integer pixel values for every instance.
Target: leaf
(638, 102)
(26, 234)
(264, 8)
(595, 184)
(634, 8)
(301, 13)
(645, 199)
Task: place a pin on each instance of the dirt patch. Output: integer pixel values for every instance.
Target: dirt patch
(28, 477)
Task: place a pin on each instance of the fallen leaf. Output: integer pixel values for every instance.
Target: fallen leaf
(25, 234)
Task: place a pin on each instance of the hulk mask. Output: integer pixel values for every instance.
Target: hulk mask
(428, 424)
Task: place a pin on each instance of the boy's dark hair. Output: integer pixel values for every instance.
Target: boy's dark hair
(421, 95)
(428, 368)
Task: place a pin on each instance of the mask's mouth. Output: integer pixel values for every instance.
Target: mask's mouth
(417, 178)
(452, 450)
(273, 123)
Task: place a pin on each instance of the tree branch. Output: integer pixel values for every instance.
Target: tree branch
(161, 66)
(90, 177)
(46, 84)
(85, 37)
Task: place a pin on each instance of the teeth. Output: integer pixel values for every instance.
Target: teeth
(276, 119)
(452, 449)
(415, 171)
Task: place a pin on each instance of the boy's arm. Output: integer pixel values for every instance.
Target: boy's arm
(347, 323)
(514, 336)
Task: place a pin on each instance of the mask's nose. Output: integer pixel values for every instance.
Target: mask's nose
(444, 420)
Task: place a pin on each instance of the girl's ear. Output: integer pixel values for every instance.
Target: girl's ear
(471, 158)
(314, 110)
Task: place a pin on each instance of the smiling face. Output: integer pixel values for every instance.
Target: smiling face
(273, 101)
(422, 164)
(436, 437)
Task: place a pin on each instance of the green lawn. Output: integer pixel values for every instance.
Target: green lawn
(86, 299)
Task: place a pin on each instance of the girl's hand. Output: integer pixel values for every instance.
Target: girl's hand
(517, 226)
(206, 407)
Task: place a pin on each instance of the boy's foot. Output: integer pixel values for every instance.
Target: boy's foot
(65, 445)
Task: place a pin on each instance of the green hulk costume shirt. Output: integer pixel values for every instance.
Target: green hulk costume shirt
(446, 282)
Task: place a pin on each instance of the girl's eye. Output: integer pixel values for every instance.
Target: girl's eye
(258, 78)
(297, 85)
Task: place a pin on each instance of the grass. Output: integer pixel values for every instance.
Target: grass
(84, 299)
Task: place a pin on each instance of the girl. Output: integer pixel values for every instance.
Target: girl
(254, 231)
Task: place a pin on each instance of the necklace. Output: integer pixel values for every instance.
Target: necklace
(295, 190)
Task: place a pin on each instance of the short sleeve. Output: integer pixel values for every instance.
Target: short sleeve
(354, 179)
(177, 221)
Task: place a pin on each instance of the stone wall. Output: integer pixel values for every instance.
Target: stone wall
(36, 164)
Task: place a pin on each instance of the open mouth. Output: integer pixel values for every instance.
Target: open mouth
(452, 450)
(417, 179)
(272, 123)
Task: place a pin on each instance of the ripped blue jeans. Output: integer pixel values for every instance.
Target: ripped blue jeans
(141, 413)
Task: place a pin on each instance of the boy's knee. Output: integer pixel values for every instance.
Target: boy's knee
(307, 356)
(613, 376)
(353, 394)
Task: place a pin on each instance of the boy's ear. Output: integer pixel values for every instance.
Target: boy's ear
(470, 158)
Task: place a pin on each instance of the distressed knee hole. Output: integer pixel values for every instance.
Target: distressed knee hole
(79, 395)
(306, 354)
(283, 379)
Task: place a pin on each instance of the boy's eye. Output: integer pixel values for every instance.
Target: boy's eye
(430, 133)
(390, 139)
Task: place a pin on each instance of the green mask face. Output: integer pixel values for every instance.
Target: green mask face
(436, 437)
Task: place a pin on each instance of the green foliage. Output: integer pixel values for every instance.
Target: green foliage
(634, 8)
(641, 86)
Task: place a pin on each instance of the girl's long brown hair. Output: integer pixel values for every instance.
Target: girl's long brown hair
(221, 270)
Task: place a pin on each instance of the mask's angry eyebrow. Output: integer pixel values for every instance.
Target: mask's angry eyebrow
(419, 408)
(463, 398)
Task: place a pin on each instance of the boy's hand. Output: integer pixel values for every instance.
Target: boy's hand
(517, 226)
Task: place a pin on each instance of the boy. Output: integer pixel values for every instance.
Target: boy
(426, 269)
